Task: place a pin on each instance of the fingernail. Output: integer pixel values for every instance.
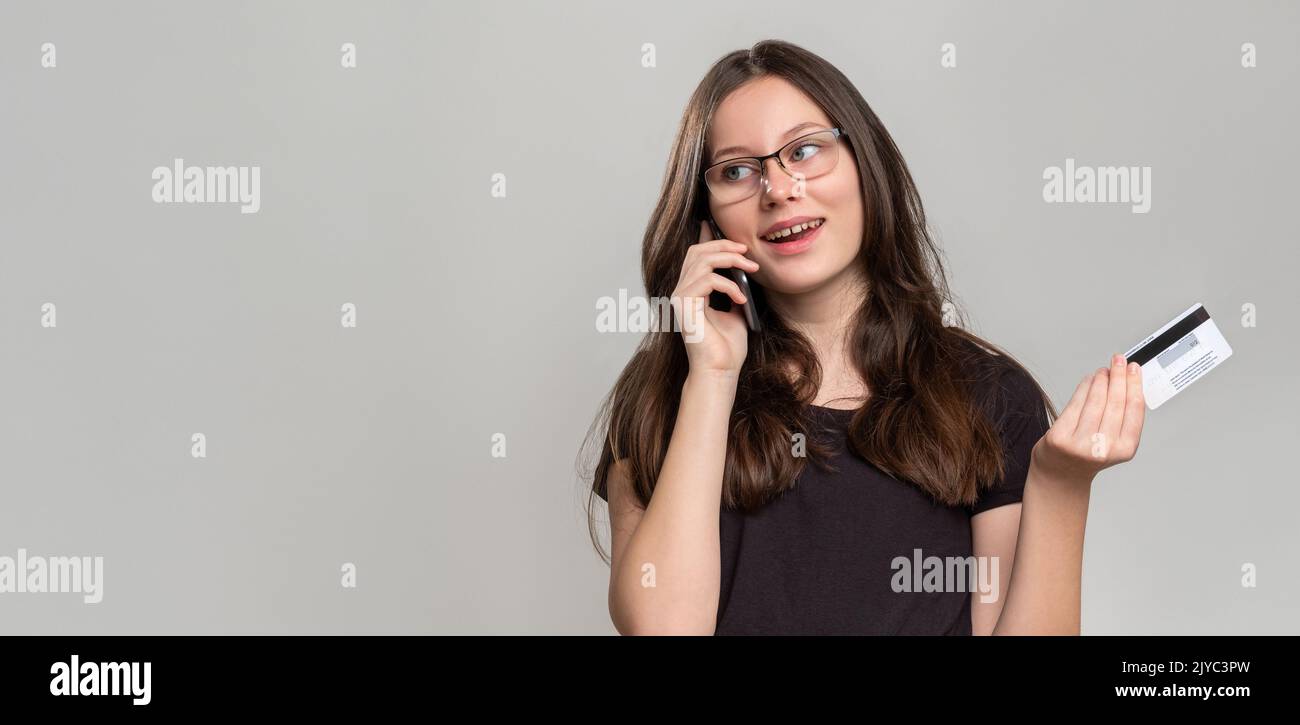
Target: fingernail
(1134, 368)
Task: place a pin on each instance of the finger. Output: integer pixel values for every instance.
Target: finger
(712, 282)
(723, 260)
(1112, 417)
(717, 245)
(1069, 417)
(1135, 410)
(707, 263)
(1093, 406)
(688, 312)
(721, 245)
(729, 286)
(697, 251)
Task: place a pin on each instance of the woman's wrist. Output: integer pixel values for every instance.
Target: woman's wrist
(1058, 486)
(712, 384)
(719, 378)
(1051, 476)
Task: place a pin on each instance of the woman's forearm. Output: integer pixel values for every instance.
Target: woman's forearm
(1099, 427)
(678, 535)
(1044, 592)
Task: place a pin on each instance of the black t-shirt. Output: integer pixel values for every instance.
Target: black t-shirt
(820, 558)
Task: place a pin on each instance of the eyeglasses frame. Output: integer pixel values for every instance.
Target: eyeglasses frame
(762, 160)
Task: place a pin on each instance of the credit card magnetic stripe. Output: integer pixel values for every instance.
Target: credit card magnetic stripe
(1166, 339)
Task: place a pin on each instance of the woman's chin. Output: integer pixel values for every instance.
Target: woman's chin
(795, 281)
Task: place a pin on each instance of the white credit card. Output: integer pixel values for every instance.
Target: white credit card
(1178, 354)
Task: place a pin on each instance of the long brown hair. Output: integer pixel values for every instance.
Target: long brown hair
(925, 421)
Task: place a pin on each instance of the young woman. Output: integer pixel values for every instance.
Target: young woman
(928, 444)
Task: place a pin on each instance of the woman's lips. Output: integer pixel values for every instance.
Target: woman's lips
(798, 245)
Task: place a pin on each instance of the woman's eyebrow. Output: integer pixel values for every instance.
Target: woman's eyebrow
(741, 149)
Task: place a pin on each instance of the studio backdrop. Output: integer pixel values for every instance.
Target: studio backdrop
(300, 302)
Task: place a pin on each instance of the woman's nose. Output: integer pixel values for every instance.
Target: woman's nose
(784, 180)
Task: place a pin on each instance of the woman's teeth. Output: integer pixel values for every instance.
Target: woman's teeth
(778, 236)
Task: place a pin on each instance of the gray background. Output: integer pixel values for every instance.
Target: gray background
(477, 314)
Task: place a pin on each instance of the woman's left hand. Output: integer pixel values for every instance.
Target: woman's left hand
(1100, 426)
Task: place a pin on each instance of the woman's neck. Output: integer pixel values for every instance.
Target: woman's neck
(824, 315)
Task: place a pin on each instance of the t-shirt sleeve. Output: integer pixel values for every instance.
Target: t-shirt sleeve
(601, 485)
(1021, 419)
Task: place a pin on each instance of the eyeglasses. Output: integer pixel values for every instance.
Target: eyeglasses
(806, 157)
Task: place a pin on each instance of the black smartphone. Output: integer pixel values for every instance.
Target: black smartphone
(720, 301)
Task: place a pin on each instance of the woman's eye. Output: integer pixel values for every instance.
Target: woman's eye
(805, 146)
(739, 173)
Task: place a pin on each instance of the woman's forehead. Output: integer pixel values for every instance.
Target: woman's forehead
(761, 115)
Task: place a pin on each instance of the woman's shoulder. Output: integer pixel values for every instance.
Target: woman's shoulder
(1002, 385)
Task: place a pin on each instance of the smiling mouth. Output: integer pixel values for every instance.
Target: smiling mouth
(799, 232)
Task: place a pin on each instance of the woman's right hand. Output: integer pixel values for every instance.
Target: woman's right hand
(716, 341)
